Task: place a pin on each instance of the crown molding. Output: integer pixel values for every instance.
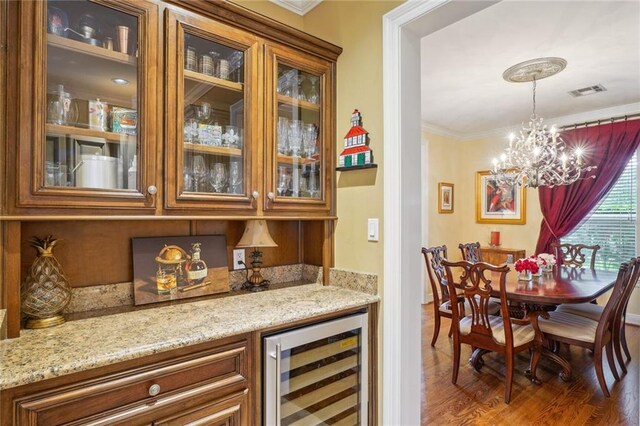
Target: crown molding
(299, 7)
(565, 120)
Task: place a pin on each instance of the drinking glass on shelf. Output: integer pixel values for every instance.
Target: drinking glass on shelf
(199, 173)
(313, 183)
(304, 191)
(313, 95)
(284, 180)
(190, 133)
(231, 137)
(295, 137)
(309, 139)
(187, 182)
(283, 131)
(205, 135)
(235, 177)
(218, 177)
(301, 96)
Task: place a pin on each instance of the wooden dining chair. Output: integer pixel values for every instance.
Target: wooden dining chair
(490, 333)
(573, 254)
(433, 257)
(588, 333)
(471, 252)
(594, 312)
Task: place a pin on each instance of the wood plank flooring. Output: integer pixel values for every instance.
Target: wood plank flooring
(478, 398)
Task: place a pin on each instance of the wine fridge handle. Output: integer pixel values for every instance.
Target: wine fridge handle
(278, 377)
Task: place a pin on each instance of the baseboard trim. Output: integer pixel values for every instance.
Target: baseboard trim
(633, 319)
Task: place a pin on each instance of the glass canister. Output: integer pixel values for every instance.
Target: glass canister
(205, 64)
(190, 59)
(62, 109)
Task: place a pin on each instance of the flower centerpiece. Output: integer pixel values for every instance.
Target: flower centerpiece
(526, 267)
(546, 261)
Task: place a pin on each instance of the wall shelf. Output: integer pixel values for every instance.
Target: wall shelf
(361, 167)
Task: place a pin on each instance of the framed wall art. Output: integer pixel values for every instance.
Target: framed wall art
(173, 268)
(445, 197)
(499, 203)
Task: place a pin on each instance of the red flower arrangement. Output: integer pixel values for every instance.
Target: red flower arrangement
(529, 264)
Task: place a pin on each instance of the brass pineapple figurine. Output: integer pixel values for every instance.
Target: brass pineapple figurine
(46, 292)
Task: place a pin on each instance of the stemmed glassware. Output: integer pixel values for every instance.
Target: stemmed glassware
(313, 183)
(283, 131)
(313, 95)
(284, 180)
(309, 139)
(191, 128)
(301, 96)
(218, 177)
(295, 137)
(235, 177)
(199, 173)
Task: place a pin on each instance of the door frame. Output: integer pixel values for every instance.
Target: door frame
(403, 28)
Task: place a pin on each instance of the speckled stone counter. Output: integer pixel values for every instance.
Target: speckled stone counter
(89, 343)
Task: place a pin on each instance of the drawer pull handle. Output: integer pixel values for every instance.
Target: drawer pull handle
(154, 390)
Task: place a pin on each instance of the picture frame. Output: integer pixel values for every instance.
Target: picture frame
(163, 271)
(499, 203)
(445, 197)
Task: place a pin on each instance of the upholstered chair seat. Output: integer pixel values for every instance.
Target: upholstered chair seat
(587, 310)
(521, 333)
(570, 326)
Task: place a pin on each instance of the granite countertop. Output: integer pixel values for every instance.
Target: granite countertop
(93, 342)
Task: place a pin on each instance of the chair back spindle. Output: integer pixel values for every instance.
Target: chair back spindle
(433, 258)
(574, 254)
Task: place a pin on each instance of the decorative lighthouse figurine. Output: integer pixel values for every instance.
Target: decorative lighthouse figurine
(356, 152)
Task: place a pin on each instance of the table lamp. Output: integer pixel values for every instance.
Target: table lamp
(256, 235)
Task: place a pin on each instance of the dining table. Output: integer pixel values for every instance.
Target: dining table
(564, 284)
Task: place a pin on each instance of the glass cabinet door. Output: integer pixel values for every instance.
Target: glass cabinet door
(210, 87)
(300, 142)
(97, 67)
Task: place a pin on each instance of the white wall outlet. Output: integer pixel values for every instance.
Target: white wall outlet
(238, 256)
(372, 229)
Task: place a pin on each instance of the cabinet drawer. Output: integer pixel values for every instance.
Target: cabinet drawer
(215, 372)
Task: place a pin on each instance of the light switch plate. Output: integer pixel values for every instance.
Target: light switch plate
(238, 256)
(372, 229)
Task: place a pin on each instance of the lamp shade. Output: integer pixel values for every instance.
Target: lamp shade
(256, 234)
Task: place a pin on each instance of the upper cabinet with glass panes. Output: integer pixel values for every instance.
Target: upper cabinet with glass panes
(210, 132)
(300, 149)
(241, 123)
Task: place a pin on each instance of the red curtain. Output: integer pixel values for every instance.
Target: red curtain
(608, 146)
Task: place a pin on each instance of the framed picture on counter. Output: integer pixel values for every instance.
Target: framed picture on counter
(499, 202)
(173, 268)
(445, 197)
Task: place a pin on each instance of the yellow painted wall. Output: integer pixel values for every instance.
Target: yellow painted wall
(273, 11)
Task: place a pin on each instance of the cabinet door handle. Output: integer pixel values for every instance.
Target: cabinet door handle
(271, 196)
(152, 190)
(255, 195)
(154, 390)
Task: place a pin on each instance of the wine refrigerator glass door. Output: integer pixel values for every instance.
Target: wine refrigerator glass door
(318, 374)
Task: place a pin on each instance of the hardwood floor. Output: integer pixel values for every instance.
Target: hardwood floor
(478, 398)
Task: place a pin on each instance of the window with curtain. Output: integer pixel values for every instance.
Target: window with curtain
(613, 223)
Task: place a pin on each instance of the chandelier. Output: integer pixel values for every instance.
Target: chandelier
(538, 156)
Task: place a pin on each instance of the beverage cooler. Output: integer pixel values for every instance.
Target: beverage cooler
(318, 375)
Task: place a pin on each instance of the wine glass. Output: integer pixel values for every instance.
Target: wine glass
(190, 128)
(283, 130)
(313, 184)
(218, 177)
(301, 96)
(235, 177)
(295, 137)
(231, 136)
(204, 113)
(284, 180)
(199, 172)
(313, 95)
(309, 138)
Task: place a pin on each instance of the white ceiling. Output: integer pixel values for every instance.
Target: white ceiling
(465, 96)
(301, 7)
